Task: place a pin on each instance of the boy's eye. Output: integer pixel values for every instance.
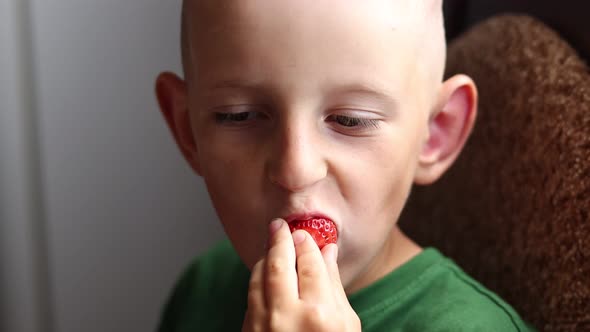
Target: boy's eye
(352, 122)
(238, 115)
(235, 117)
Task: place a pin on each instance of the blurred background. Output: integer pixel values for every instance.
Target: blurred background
(98, 211)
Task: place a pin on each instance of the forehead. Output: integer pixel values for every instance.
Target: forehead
(371, 41)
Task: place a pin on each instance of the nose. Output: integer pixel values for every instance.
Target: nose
(296, 161)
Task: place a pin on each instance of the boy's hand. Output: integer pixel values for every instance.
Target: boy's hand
(309, 298)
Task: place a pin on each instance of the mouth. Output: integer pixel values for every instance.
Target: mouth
(305, 216)
(321, 228)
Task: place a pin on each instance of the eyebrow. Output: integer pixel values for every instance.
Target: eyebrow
(369, 90)
(236, 84)
(377, 92)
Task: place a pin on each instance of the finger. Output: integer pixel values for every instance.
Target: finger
(330, 254)
(314, 282)
(247, 325)
(251, 324)
(256, 299)
(280, 273)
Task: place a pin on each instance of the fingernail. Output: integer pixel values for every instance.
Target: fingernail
(274, 226)
(299, 237)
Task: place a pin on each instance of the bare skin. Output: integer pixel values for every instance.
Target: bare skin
(327, 107)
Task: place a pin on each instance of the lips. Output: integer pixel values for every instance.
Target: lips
(322, 230)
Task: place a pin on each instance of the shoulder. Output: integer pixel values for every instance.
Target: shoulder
(215, 268)
(460, 303)
(205, 289)
(219, 260)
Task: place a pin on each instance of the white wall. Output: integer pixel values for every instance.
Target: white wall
(24, 287)
(109, 213)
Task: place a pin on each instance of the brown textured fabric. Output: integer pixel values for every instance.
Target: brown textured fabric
(568, 17)
(514, 209)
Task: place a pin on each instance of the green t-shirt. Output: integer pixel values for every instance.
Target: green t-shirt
(427, 293)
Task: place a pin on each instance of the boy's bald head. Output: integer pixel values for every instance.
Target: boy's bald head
(422, 19)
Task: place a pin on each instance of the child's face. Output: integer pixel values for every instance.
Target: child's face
(308, 107)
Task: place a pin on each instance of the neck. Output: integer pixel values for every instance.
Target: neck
(396, 251)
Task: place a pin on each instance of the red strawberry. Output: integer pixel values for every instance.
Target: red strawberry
(323, 231)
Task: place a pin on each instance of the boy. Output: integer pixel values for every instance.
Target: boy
(299, 113)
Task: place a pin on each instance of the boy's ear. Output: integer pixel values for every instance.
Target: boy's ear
(173, 100)
(449, 127)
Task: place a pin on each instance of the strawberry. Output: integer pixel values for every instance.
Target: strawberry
(323, 231)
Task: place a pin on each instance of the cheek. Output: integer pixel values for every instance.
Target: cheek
(224, 162)
(395, 174)
(385, 170)
(233, 178)
(378, 189)
(233, 202)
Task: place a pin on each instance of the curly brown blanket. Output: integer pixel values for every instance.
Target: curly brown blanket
(514, 209)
